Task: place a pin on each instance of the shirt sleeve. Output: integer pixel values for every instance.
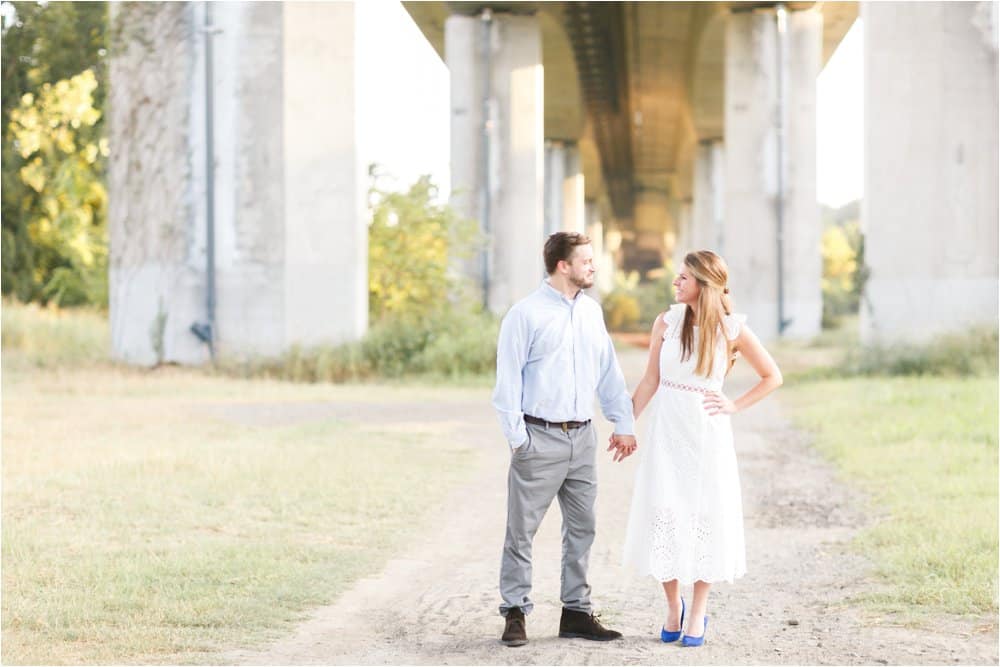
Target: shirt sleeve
(616, 404)
(512, 354)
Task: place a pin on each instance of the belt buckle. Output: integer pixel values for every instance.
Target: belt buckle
(565, 427)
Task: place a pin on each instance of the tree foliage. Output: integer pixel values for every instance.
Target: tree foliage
(54, 245)
(843, 271)
(413, 247)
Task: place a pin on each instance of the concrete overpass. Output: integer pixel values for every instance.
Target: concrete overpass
(655, 127)
(644, 114)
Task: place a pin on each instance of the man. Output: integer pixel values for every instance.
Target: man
(553, 353)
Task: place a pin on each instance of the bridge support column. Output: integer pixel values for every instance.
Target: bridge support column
(290, 243)
(709, 197)
(683, 242)
(497, 147)
(325, 179)
(654, 220)
(930, 207)
(770, 126)
(574, 215)
(563, 188)
(594, 227)
(555, 173)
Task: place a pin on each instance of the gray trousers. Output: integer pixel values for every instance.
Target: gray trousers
(552, 463)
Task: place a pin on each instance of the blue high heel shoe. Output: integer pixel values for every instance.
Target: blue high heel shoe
(688, 640)
(667, 636)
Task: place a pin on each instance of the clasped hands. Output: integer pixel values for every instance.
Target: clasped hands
(624, 446)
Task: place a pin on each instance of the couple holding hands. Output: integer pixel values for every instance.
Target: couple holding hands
(685, 526)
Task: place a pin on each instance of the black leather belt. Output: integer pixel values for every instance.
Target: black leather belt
(565, 426)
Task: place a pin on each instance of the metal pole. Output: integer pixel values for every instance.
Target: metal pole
(781, 16)
(210, 180)
(206, 331)
(484, 190)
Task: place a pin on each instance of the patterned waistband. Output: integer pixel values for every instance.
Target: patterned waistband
(684, 387)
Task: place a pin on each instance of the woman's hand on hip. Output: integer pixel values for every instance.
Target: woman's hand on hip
(717, 404)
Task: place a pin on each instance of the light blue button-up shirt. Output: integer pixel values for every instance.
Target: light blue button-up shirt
(553, 353)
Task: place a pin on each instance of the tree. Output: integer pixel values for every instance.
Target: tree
(44, 44)
(65, 202)
(413, 244)
(844, 274)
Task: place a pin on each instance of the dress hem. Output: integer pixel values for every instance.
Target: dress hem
(688, 582)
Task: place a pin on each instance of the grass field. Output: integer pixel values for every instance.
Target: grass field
(158, 516)
(924, 451)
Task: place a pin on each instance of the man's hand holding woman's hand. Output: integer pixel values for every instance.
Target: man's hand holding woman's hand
(624, 444)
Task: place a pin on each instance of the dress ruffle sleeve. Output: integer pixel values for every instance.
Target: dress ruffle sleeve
(734, 324)
(673, 318)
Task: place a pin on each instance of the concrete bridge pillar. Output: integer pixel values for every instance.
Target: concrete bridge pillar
(563, 188)
(574, 214)
(930, 208)
(709, 197)
(683, 243)
(290, 239)
(654, 224)
(770, 93)
(603, 262)
(555, 177)
(497, 146)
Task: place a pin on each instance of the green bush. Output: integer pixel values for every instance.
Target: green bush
(654, 297)
(969, 354)
(452, 343)
(621, 311)
(632, 305)
(467, 347)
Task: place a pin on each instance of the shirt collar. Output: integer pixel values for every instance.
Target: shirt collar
(553, 293)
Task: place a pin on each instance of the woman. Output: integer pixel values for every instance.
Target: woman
(686, 522)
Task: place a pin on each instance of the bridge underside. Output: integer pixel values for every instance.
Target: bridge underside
(653, 127)
(686, 124)
(635, 86)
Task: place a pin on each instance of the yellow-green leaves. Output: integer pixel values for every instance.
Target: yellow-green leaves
(57, 134)
(412, 246)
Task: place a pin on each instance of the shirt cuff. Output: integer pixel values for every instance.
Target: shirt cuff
(519, 438)
(625, 427)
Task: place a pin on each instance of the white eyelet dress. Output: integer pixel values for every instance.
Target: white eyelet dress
(686, 520)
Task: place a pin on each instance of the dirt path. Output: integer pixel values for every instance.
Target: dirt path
(437, 602)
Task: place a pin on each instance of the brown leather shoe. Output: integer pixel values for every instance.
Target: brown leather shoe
(584, 626)
(514, 632)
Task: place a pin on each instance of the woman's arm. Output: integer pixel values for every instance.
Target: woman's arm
(651, 378)
(763, 364)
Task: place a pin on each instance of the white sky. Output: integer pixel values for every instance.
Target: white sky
(403, 100)
(840, 122)
(403, 97)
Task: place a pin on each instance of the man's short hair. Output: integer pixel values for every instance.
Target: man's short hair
(560, 246)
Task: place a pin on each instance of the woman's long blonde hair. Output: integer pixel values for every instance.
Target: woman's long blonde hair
(712, 275)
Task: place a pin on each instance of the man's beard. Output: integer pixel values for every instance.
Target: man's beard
(582, 283)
